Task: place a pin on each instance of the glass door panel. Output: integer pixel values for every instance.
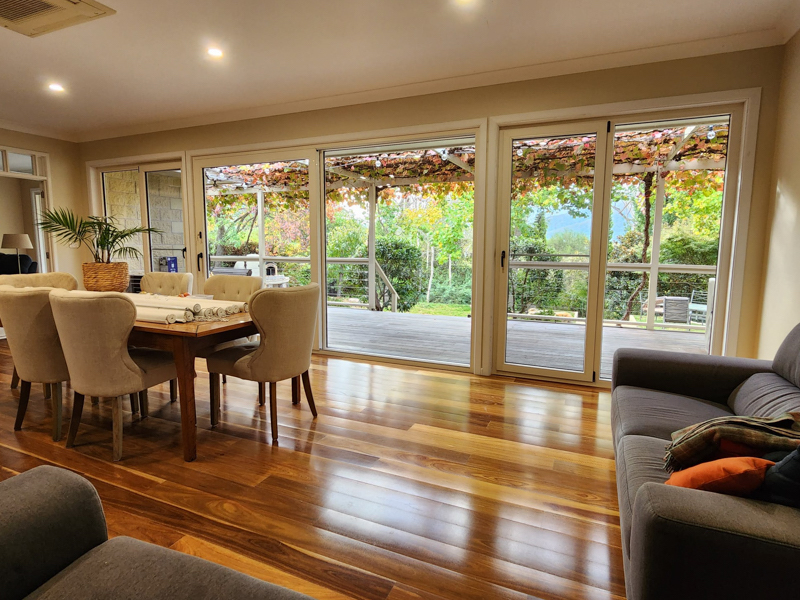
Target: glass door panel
(123, 204)
(548, 245)
(398, 226)
(165, 213)
(664, 235)
(257, 219)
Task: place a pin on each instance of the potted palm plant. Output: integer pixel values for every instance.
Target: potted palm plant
(105, 241)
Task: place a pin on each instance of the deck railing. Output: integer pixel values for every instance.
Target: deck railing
(357, 286)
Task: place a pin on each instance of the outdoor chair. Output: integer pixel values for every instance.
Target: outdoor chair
(676, 309)
(698, 306)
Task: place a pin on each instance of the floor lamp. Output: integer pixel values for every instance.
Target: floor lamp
(17, 241)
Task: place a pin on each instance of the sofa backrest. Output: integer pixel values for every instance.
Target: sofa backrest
(787, 359)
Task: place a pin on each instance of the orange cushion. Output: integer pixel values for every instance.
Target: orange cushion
(735, 476)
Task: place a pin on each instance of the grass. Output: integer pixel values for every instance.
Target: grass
(434, 308)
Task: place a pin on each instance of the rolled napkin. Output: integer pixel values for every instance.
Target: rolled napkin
(159, 301)
(159, 315)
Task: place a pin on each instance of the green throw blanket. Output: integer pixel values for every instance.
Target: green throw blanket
(701, 442)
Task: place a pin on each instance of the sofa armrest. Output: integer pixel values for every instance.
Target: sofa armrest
(49, 517)
(692, 544)
(699, 375)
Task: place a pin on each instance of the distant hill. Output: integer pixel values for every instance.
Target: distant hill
(562, 221)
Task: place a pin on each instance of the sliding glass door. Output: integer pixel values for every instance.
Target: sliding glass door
(398, 242)
(609, 237)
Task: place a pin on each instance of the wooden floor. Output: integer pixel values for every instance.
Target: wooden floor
(411, 484)
(447, 339)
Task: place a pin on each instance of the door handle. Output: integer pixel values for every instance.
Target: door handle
(502, 259)
(184, 252)
(199, 257)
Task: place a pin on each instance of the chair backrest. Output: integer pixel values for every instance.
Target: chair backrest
(286, 318)
(65, 281)
(676, 309)
(236, 288)
(32, 335)
(699, 297)
(167, 284)
(787, 358)
(94, 329)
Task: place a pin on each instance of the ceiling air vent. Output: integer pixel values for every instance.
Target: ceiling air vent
(37, 17)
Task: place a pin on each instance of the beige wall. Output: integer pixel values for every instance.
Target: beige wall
(755, 68)
(781, 302)
(67, 178)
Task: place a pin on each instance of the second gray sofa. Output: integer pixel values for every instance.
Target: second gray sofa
(692, 544)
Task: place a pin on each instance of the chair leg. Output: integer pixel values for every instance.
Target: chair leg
(296, 390)
(261, 393)
(215, 392)
(144, 404)
(24, 395)
(173, 390)
(57, 405)
(14, 379)
(309, 394)
(134, 403)
(116, 428)
(224, 378)
(74, 423)
(46, 391)
(95, 400)
(273, 409)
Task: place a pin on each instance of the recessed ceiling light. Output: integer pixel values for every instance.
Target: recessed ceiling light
(56, 87)
(215, 52)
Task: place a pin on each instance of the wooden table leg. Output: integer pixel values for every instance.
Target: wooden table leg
(184, 362)
(57, 404)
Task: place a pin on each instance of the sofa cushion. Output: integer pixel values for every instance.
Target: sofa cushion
(639, 411)
(787, 358)
(127, 569)
(765, 395)
(640, 460)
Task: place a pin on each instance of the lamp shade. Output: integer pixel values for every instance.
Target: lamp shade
(20, 241)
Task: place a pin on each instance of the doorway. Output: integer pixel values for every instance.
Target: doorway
(610, 236)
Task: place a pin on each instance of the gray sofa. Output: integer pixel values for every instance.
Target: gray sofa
(54, 545)
(692, 544)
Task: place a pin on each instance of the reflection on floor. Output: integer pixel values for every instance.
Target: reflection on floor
(447, 339)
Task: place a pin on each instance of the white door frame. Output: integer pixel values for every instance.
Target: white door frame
(595, 272)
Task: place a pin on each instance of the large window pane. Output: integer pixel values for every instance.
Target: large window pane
(124, 205)
(165, 212)
(420, 202)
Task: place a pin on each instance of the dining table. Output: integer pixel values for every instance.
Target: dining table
(185, 340)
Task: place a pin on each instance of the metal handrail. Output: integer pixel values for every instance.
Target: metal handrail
(343, 260)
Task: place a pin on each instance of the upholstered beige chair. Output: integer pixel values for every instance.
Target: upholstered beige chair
(64, 281)
(33, 340)
(286, 319)
(167, 284)
(236, 288)
(94, 329)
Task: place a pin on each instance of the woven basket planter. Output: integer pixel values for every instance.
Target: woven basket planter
(105, 277)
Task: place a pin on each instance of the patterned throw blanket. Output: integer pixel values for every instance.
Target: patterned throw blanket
(701, 442)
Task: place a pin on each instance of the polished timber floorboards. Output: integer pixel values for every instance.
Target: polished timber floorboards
(411, 484)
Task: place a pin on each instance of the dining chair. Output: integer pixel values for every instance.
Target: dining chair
(94, 328)
(166, 284)
(286, 319)
(64, 281)
(235, 288)
(33, 340)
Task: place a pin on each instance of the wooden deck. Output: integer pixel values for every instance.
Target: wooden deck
(447, 339)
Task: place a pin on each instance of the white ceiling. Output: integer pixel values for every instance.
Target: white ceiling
(146, 67)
